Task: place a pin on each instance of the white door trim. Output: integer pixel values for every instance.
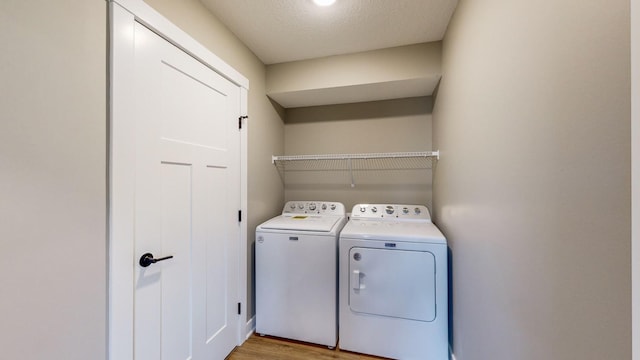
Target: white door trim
(146, 15)
(123, 14)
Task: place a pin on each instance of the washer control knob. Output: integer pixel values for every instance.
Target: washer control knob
(374, 209)
(312, 206)
(417, 211)
(300, 206)
(333, 206)
(363, 209)
(324, 206)
(389, 210)
(292, 206)
(405, 210)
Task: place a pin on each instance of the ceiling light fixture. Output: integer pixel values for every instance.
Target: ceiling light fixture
(324, 2)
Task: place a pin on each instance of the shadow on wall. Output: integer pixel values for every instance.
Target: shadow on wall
(279, 109)
(361, 111)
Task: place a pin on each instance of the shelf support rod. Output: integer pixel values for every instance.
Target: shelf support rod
(351, 172)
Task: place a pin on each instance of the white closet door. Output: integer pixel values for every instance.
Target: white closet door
(187, 197)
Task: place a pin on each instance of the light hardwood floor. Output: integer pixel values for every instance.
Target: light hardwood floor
(270, 348)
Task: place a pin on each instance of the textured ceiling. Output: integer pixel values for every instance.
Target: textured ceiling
(288, 30)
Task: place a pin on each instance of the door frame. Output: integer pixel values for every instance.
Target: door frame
(123, 15)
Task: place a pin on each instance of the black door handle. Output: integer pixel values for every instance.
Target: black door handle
(147, 259)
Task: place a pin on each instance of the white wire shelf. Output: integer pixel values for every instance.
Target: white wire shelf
(366, 156)
(365, 163)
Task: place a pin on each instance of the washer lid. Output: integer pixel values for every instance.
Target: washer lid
(302, 222)
(408, 231)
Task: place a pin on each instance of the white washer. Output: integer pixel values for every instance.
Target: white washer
(393, 283)
(297, 271)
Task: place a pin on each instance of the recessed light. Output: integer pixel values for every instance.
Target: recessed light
(324, 2)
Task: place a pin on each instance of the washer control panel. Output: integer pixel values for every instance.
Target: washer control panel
(390, 211)
(314, 207)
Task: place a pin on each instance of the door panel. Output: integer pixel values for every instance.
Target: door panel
(203, 98)
(394, 283)
(217, 254)
(175, 273)
(186, 201)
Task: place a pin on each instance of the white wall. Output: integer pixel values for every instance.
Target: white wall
(53, 272)
(533, 184)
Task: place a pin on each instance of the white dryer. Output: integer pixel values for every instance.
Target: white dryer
(393, 283)
(297, 271)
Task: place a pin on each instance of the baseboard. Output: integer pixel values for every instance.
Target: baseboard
(251, 327)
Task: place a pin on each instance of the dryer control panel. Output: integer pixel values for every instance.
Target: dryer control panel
(314, 207)
(390, 211)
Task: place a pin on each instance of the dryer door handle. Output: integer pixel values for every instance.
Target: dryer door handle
(355, 279)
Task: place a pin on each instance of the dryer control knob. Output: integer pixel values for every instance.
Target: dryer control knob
(417, 210)
(374, 209)
(363, 208)
(300, 206)
(333, 206)
(324, 206)
(292, 206)
(389, 210)
(405, 210)
(312, 206)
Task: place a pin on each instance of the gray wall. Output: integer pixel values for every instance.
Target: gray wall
(532, 119)
(417, 61)
(379, 126)
(265, 124)
(635, 155)
(53, 288)
(391, 73)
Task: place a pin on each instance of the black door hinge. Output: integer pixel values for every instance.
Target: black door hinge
(239, 215)
(240, 121)
(239, 308)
